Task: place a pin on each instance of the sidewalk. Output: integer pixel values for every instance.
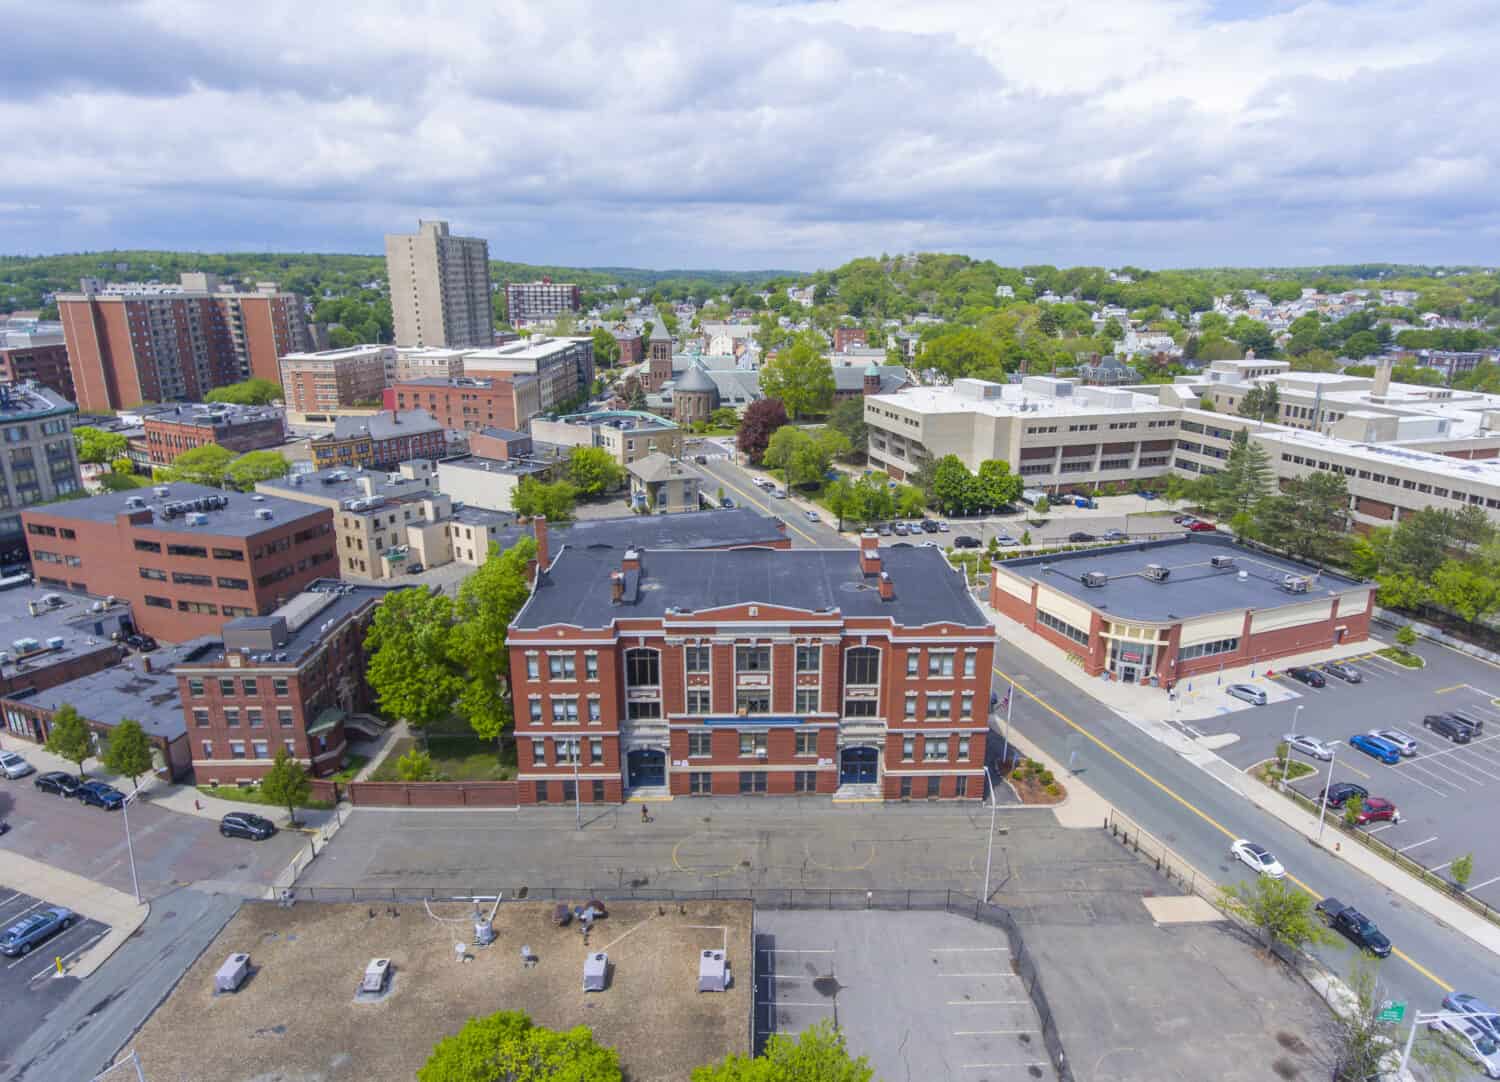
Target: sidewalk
(1081, 809)
(92, 900)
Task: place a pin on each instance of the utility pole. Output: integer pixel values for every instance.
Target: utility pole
(1295, 715)
(1323, 804)
(990, 850)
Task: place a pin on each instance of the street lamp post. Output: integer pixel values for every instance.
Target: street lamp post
(1421, 1018)
(1010, 699)
(1295, 715)
(135, 882)
(577, 795)
(989, 854)
(1323, 804)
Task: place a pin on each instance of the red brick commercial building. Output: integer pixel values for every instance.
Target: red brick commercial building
(186, 557)
(319, 385)
(44, 364)
(130, 344)
(844, 337)
(380, 440)
(632, 349)
(466, 403)
(293, 679)
(751, 671)
(176, 429)
(53, 636)
(1162, 612)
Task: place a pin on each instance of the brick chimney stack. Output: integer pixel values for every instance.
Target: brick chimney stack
(869, 553)
(616, 587)
(539, 531)
(887, 588)
(632, 560)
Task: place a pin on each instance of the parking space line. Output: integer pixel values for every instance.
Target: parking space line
(783, 977)
(793, 950)
(1440, 867)
(1356, 770)
(1382, 826)
(6, 901)
(975, 950)
(1450, 687)
(770, 1004)
(69, 956)
(1028, 1064)
(1413, 845)
(1466, 769)
(28, 909)
(1017, 976)
(987, 1002)
(1486, 883)
(988, 1032)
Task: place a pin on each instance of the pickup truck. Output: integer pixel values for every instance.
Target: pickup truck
(1354, 926)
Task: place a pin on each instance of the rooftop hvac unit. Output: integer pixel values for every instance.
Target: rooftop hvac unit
(232, 973)
(595, 971)
(1158, 573)
(1243, 576)
(97, 606)
(135, 503)
(1094, 579)
(713, 972)
(1294, 584)
(4, 657)
(376, 974)
(263, 512)
(197, 518)
(55, 642)
(1221, 561)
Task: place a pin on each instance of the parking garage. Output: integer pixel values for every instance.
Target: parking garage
(1158, 612)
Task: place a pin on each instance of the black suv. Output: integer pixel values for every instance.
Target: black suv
(1447, 725)
(246, 825)
(1473, 722)
(1340, 791)
(964, 541)
(55, 781)
(1354, 926)
(1311, 677)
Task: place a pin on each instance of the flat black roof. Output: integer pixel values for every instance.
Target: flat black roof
(1194, 586)
(128, 691)
(685, 530)
(237, 518)
(576, 590)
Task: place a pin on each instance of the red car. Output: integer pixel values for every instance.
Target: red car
(1377, 808)
(1199, 526)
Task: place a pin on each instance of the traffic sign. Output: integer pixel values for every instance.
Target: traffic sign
(1392, 1011)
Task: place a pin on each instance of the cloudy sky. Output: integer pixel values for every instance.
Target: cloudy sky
(712, 133)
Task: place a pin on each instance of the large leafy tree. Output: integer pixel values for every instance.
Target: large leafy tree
(606, 348)
(1262, 402)
(800, 376)
(962, 352)
(997, 486)
(128, 752)
(952, 484)
(804, 456)
(96, 446)
(206, 465)
(816, 1055)
(1246, 477)
(594, 471)
(760, 420)
(554, 500)
(409, 665)
(509, 1047)
(1280, 911)
(254, 466)
(848, 417)
(487, 602)
(250, 392)
(68, 736)
(286, 783)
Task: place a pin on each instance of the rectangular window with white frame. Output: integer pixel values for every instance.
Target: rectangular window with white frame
(913, 662)
(594, 711)
(533, 666)
(908, 748)
(807, 742)
(939, 706)
(697, 659)
(911, 705)
(808, 659)
(562, 666)
(535, 708)
(753, 743)
(963, 749)
(565, 710)
(700, 744)
(591, 665)
(807, 700)
(699, 701)
(752, 659)
(966, 705)
(940, 663)
(971, 662)
(935, 748)
(752, 701)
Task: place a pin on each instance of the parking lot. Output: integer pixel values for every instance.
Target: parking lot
(922, 995)
(1448, 794)
(27, 986)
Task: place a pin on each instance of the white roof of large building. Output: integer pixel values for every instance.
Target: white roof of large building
(1305, 442)
(1039, 396)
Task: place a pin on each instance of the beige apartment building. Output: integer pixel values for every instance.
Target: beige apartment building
(319, 386)
(628, 435)
(440, 287)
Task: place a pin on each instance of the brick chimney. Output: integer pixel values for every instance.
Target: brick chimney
(145, 663)
(631, 561)
(869, 553)
(887, 588)
(539, 530)
(616, 587)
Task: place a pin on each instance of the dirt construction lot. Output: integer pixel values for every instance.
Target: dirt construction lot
(296, 1018)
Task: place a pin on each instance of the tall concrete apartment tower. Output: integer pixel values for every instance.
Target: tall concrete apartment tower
(440, 287)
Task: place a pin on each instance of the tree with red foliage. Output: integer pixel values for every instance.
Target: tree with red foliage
(761, 419)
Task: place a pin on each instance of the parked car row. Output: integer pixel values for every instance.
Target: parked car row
(1194, 523)
(97, 793)
(1457, 725)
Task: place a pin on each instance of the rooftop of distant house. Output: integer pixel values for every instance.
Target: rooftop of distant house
(350, 483)
(213, 414)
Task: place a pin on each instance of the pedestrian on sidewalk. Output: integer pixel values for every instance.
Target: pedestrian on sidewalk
(645, 814)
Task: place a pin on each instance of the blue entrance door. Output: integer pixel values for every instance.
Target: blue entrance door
(647, 766)
(858, 766)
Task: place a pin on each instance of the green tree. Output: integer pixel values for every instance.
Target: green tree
(997, 485)
(1112, 330)
(1363, 344)
(1281, 912)
(951, 484)
(803, 456)
(555, 501)
(1468, 589)
(206, 465)
(487, 602)
(761, 419)
(96, 446)
(122, 466)
(250, 392)
(911, 501)
(1309, 518)
(848, 417)
(409, 668)
(724, 417)
(1358, 1041)
(1406, 638)
(818, 1054)
(1461, 870)
(1262, 402)
(877, 500)
(128, 752)
(800, 376)
(1353, 805)
(286, 783)
(1402, 590)
(254, 466)
(1420, 542)
(509, 1047)
(959, 353)
(1042, 505)
(606, 348)
(844, 501)
(68, 736)
(594, 471)
(1246, 477)
(415, 765)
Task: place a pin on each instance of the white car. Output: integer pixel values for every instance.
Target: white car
(811, 516)
(1471, 1041)
(1248, 692)
(1403, 740)
(1256, 857)
(14, 766)
(1310, 745)
(1005, 540)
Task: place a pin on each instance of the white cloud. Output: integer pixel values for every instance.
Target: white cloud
(1160, 132)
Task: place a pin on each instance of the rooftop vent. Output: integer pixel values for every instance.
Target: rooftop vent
(1158, 573)
(1221, 561)
(263, 513)
(1094, 579)
(197, 518)
(713, 972)
(595, 971)
(55, 642)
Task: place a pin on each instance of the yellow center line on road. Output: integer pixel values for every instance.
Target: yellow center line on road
(1190, 806)
(767, 508)
(1453, 687)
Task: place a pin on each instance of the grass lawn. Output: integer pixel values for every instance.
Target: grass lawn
(252, 795)
(456, 756)
(352, 765)
(1401, 657)
(1271, 770)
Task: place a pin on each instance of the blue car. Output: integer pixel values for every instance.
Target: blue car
(100, 795)
(34, 930)
(1377, 748)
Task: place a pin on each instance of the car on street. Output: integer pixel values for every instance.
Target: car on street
(56, 781)
(779, 493)
(942, 526)
(1376, 748)
(928, 525)
(1310, 745)
(1479, 1012)
(964, 541)
(1446, 725)
(725, 501)
(1353, 926)
(34, 929)
(1184, 520)
(1473, 722)
(1377, 809)
(1311, 677)
(415, 568)
(1347, 673)
(701, 460)
(1340, 791)
(1080, 535)
(1257, 858)
(1005, 540)
(246, 825)
(1405, 743)
(900, 530)
(1199, 526)
(883, 529)
(13, 766)
(1146, 494)
(1472, 1042)
(1115, 535)
(811, 516)
(1248, 692)
(100, 795)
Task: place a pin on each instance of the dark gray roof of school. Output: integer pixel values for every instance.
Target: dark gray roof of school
(128, 691)
(1194, 587)
(237, 518)
(576, 590)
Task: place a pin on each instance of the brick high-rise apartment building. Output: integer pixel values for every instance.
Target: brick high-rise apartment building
(45, 363)
(186, 557)
(134, 343)
(540, 302)
(440, 287)
(751, 671)
(38, 458)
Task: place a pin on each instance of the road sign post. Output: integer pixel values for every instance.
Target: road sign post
(1392, 1011)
